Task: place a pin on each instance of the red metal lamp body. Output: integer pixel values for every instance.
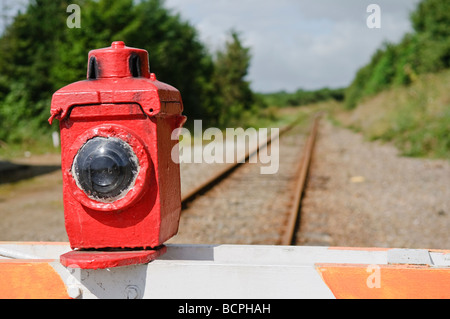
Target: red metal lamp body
(121, 101)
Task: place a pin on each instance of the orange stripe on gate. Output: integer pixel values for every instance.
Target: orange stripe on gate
(386, 281)
(30, 280)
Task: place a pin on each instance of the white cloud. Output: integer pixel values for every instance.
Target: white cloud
(299, 43)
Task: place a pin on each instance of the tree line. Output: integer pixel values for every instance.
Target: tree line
(303, 97)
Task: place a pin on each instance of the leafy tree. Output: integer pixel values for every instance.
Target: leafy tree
(432, 17)
(231, 68)
(26, 55)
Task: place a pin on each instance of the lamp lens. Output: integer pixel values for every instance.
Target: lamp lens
(105, 168)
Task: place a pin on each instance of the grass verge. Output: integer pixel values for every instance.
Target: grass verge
(415, 118)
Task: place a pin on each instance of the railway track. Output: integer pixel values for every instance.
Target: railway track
(303, 168)
(223, 172)
(237, 205)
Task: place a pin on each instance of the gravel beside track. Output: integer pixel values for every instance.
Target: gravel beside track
(247, 207)
(363, 193)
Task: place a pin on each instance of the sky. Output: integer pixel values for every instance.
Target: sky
(308, 44)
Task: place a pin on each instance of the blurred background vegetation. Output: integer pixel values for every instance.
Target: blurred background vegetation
(426, 50)
(404, 92)
(401, 95)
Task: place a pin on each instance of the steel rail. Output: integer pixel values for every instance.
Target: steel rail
(288, 237)
(222, 174)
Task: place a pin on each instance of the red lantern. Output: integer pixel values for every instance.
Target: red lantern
(121, 189)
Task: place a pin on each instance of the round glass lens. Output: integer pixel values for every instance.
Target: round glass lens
(105, 168)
